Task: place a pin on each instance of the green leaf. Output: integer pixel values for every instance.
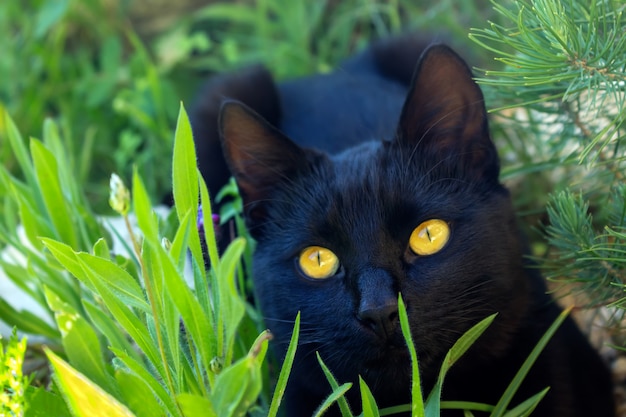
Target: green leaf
(88, 269)
(185, 178)
(80, 342)
(146, 218)
(466, 405)
(34, 224)
(84, 398)
(114, 277)
(38, 273)
(392, 411)
(120, 311)
(285, 370)
(178, 250)
(136, 329)
(165, 314)
(370, 409)
(417, 401)
(47, 172)
(110, 329)
(49, 15)
(101, 249)
(238, 386)
(195, 405)
(138, 368)
(44, 403)
(527, 407)
(52, 142)
(337, 394)
(234, 13)
(162, 282)
(138, 395)
(20, 151)
(231, 306)
(203, 292)
(207, 221)
(344, 407)
(196, 321)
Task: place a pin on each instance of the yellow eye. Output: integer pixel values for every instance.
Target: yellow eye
(429, 237)
(318, 262)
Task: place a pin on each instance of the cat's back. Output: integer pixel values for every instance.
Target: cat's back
(336, 111)
(359, 101)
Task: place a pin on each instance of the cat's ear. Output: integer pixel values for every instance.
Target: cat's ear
(259, 156)
(253, 86)
(444, 116)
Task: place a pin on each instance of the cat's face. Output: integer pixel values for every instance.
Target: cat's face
(421, 215)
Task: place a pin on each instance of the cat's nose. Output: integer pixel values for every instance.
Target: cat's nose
(382, 320)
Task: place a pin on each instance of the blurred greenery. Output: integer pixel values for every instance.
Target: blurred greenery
(113, 87)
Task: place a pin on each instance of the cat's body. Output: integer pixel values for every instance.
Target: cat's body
(394, 164)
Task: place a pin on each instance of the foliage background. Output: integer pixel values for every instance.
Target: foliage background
(108, 76)
(112, 72)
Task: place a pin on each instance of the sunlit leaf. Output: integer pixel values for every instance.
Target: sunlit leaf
(80, 342)
(85, 399)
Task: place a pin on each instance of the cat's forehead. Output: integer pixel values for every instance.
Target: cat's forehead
(375, 180)
(366, 163)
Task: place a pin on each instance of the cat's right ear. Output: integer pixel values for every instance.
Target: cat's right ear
(444, 117)
(259, 155)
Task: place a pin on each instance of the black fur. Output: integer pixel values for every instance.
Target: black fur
(387, 157)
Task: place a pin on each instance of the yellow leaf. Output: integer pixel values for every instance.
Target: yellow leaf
(85, 399)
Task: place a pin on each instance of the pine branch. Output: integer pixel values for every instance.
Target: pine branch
(594, 260)
(570, 51)
(564, 83)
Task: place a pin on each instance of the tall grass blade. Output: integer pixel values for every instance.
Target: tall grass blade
(417, 400)
(341, 400)
(510, 391)
(285, 370)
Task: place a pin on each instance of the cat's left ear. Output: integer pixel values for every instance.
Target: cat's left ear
(444, 117)
(259, 156)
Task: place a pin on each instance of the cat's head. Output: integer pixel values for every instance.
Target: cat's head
(422, 214)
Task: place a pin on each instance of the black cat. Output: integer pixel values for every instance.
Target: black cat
(392, 188)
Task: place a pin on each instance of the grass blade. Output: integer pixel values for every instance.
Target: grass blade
(527, 407)
(336, 395)
(341, 400)
(370, 408)
(454, 354)
(285, 370)
(506, 398)
(417, 400)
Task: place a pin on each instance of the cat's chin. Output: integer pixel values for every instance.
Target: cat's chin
(389, 356)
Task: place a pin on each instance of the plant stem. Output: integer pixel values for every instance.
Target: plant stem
(149, 290)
